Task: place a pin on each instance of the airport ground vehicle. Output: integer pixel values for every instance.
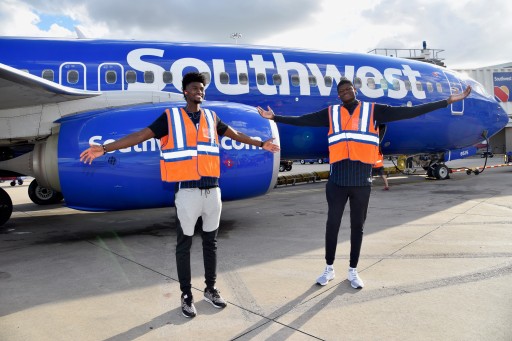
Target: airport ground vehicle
(312, 161)
(285, 165)
(14, 180)
(507, 158)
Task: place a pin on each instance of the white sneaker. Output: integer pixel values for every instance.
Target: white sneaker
(355, 281)
(327, 276)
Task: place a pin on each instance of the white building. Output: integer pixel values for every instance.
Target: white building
(497, 81)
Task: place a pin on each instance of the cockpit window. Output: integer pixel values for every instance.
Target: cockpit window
(478, 88)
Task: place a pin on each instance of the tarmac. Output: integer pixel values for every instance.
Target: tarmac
(436, 262)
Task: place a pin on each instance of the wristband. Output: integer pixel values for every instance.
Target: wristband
(261, 144)
(104, 149)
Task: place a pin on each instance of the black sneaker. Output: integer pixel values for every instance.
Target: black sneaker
(213, 296)
(187, 306)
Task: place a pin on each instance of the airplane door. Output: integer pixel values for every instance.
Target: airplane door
(110, 77)
(455, 88)
(72, 74)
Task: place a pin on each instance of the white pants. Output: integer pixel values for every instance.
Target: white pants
(192, 203)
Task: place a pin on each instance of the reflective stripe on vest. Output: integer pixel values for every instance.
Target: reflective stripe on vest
(379, 162)
(353, 136)
(188, 153)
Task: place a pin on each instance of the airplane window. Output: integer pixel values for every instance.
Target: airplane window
(439, 87)
(383, 84)
(72, 76)
(295, 80)
(149, 77)
(408, 85)
(276, 78)
(430, 87)
(261, 79)
(312, 80)
(167, 77)
(358, 83)
(328, 81)
(419, 86)
(371, 83)
(111, 77)
(131, 76)
(207, 77)
(396, 84)
(224, 78)
(409, 103)
(243, 78)
(25, 70)
(48, 74)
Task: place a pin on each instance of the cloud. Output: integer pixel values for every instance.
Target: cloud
(19, 19)
(181, 20)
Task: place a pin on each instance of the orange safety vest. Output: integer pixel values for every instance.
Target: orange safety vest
(380, 161)
(355, 136)
(188, 153)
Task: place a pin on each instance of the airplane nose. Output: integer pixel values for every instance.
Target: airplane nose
(502, 118)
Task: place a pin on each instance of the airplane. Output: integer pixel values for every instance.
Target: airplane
(60, 95)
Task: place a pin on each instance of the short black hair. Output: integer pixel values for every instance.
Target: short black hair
(344, 80)
(192, 77)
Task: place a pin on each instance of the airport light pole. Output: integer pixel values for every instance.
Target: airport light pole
(236, 36)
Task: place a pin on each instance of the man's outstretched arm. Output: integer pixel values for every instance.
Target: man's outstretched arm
(241, 137)
(94, 151)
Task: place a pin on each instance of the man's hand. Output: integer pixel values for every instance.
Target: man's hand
(268, 145)
(268, 114)
(91, 153)
(459, 97)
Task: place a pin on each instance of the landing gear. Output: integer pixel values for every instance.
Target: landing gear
(43, 196)
(5, 206)
(438, 170)
(441, 172)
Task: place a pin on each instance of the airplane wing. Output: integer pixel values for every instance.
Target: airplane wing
(21, 89)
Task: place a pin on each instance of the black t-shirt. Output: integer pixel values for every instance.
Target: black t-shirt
(160, 128)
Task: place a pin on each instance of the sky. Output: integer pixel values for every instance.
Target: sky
(472, 33)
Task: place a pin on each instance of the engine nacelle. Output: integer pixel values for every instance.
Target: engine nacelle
(130, 178)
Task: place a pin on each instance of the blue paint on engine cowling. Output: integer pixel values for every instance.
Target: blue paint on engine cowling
(130, 179)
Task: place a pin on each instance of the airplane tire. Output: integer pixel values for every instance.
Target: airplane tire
(43, 196)
(441, 172)
(320, 161)
(5, 206)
